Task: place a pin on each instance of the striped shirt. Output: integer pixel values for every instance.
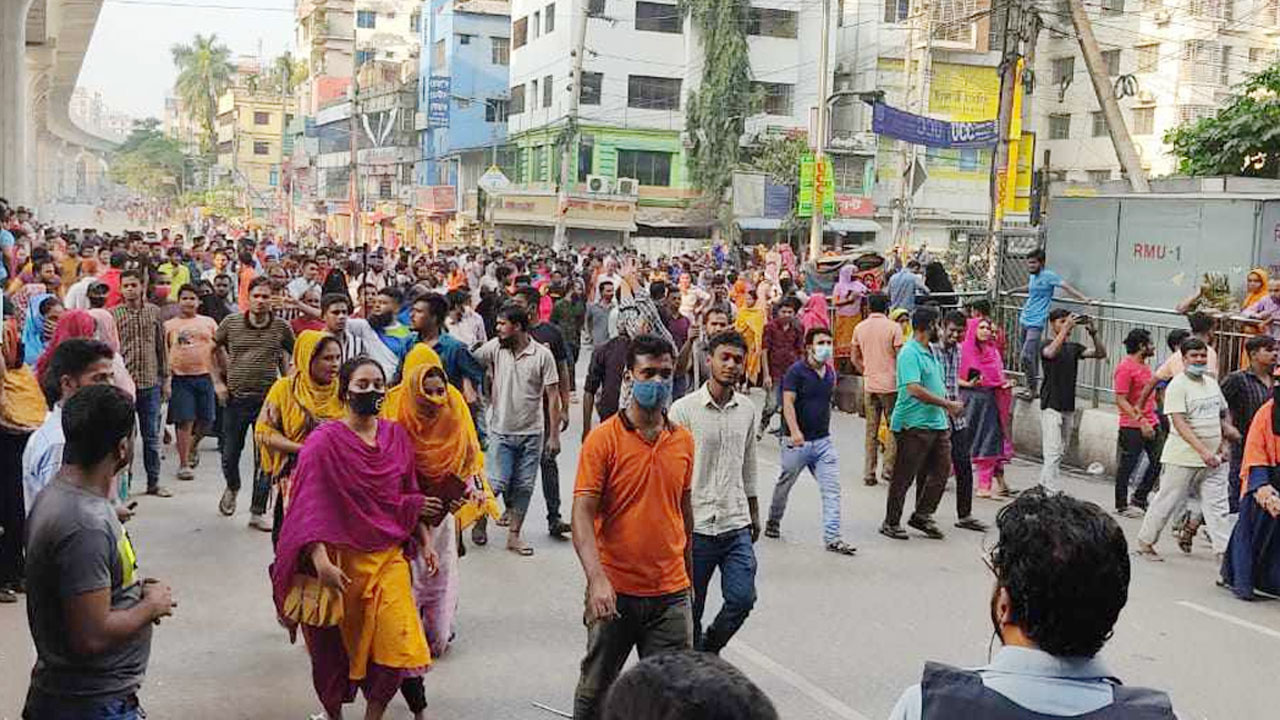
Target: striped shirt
(253, 353)
(142, 343)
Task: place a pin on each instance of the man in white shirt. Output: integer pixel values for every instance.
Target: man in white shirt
(308, 280)
(357, 336)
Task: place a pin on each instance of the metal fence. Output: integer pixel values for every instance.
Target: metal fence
(1114, 321)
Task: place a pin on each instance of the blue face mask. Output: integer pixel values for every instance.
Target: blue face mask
(1198, 369)
(651, 394)
(822, 353)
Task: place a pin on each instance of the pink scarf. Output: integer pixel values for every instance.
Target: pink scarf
(349, 495)
(815, 313)
(982, 356)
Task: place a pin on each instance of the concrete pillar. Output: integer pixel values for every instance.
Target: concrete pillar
(13, 100)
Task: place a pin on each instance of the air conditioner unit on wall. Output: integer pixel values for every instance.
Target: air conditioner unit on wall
(628, 186)
(599, 184)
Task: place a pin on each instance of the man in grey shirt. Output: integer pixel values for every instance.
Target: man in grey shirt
(598, 314)
(522, 374)
(726, 518)
(905, 285)
(90, 614)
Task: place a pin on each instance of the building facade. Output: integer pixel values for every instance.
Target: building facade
(251, 139)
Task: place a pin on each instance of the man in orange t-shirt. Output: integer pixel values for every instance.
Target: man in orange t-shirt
(632, 528)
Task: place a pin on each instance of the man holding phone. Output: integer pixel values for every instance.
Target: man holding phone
(1061, 359)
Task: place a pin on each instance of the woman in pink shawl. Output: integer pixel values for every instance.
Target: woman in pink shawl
(814, 313)
(340, 569)
(988, 405)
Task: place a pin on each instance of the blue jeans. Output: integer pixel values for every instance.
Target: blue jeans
(733, 553)
(822, 460)
(1030, 355)
(516, 461)
(147, 402)
(42, 707)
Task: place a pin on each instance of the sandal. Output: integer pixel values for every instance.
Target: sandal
(841, 547)
(522, 551)
(479, 535)
(771, 530)
(1146, 552)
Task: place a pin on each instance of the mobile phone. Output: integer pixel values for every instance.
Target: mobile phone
(131, 505)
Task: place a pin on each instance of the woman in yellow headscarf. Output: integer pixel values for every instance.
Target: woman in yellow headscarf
(450, 467)
(750, 322)
(296, 404)
(1255, 288)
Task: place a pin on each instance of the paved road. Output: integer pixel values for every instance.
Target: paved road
(831, 638)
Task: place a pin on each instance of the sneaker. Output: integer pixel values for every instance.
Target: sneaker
(185, 474)
(971, 523)
(159, 491)
(841, 547)
(7, 596)
(558, 529)
(260, 522)
(771, 530)
(926, 526)
(227, 505)
(895, 532)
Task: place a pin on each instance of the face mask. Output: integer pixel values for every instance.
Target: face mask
(380, 321)
(822, 353)
(1197, 370)
(366, 403)
(651, 394)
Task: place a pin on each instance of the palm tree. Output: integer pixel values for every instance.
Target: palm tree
(204, 72)
(287, 73)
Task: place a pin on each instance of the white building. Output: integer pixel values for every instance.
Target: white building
(1185, 58)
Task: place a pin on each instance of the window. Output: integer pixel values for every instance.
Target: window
(586, 151)
(1260, 58)
(1148, 57)
(850, 172)
(1099, 124)
(1098, 176)
(653, 93)
(438, 53)
(1112, 7)
(1063, 69)
(415, 21)
(261, 118)
(1224, 67)
(1144, 120)
(537, 24)
(519, 33)
(658, 17)
(896, 11)
(539, 163)
(595, 8)
(261, 147)
(549, 16)
(1112, 60)
(464, 39)
(384, 187)
(649, 167)
(500, 51)
(1060, 126)
(363, 56)
(367, 19)
(775, 97)
(516, 105)
(771, 23)
(591, 84)
(495, 110)
(1200, 59)
(533, 94)
(547, 86)
(1194, 113)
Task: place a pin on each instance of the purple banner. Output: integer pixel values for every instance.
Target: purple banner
(921, 130)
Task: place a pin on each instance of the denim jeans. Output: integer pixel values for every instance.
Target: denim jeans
(238, 417)
(772, 404)
(516, 462)
(823, 462)
(1030, 355)
(43, 707)
(651, 625)
(733, 553)
(147, 402)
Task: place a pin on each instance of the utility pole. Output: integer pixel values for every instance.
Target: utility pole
(916, 70)
(1107, 98)
(571, 128)
(820, 142)
(1010, 55)
(354, 146)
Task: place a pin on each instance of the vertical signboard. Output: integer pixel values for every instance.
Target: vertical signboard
(438, 89)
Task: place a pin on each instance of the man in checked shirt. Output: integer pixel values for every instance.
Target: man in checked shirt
(947, 352)
(143, 345)
(726, 518)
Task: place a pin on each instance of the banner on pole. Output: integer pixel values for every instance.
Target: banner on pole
(930, 132)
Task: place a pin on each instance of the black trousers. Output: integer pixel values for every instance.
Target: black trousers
(1133, 446)
(13, 509)
(961, 439)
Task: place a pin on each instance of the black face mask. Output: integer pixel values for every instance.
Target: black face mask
(366, 403)
(381, 321)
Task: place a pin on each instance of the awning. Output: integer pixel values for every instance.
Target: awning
(759, 223)
(847, 225)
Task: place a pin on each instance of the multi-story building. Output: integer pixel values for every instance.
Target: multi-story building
(463, 104)
(251, 141)
(178, 124)
(88, 110)
(1184, 58)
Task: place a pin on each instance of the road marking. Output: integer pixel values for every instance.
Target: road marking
(808, 689)
(1269, 632)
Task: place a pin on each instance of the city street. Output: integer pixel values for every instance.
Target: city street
(830, 638)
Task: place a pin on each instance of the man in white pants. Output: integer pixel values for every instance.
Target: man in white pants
(1194, 454)
(1060, 360)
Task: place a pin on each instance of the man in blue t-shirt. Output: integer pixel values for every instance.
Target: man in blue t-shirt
(806, 411)
(1040, 288)
(921, 431)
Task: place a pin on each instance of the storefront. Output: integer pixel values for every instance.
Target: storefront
(530, 216)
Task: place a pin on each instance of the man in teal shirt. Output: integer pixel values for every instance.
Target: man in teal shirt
(921, 429)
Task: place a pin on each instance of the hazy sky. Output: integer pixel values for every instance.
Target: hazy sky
(129, 61)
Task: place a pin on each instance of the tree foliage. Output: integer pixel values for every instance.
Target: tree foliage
(779, 156)
(204, 72)
(150, 163)
(1242, 138)
(716, 110)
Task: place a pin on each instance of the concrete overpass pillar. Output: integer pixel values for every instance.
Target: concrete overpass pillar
(13, 101)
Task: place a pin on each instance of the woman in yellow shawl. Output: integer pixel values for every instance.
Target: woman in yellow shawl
(750, 322)
(22, 410)
(295, 405)
(450, 467)
(1256, 285)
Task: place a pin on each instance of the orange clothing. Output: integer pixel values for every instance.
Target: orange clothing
(379, 621)
(640, 528)
(876, 341)
(247, 274)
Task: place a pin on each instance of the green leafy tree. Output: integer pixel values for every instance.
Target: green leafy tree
(150, 163)
(715, 112)
(1242, 138)
(287, 73)
(204, 72)
(779, 157)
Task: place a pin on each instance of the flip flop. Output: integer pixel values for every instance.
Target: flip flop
(479, 536)
(522, 551)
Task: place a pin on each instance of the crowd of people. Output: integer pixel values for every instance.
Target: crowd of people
(403, 403)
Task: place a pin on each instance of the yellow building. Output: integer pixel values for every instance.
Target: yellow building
(251, 142)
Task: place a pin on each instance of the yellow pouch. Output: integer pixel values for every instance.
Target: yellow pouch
(310, 602)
